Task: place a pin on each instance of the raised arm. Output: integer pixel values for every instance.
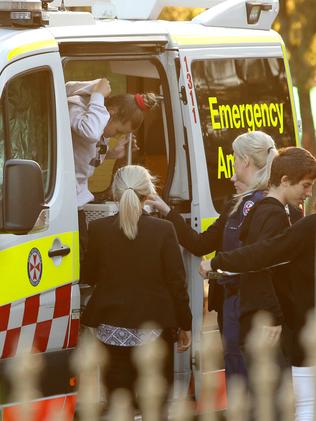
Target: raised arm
(89, 120)
(197, 243)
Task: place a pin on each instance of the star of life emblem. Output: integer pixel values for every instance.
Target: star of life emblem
(34, 266)
(247, 206)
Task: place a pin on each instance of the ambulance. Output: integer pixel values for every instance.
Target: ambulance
(222, 74)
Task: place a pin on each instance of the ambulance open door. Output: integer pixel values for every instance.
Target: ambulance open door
(226, 92)
(201, 211)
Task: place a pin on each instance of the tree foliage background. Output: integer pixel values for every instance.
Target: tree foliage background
(296, 23)
(180, 13)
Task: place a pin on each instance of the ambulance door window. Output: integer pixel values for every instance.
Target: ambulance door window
(235, 96)
(30, 120)
(1, 148)
(128, 76)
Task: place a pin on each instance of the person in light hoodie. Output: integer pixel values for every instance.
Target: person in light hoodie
(95, 116)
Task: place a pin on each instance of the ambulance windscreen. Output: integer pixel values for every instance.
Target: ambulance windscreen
(235, 96)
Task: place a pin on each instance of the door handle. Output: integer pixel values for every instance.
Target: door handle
(62, 251)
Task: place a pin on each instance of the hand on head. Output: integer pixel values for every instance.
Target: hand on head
(103, 87)
(158, 204)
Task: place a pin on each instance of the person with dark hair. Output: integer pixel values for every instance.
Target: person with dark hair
(127, 111)
(291, 180)
(296, 247)
(292, 175)
(154, 290)
(95, 116)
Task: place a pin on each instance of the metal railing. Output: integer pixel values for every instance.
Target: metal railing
(263, 395)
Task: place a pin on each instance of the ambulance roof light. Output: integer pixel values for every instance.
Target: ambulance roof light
(256, 14)
(26, 13)
(139, 9)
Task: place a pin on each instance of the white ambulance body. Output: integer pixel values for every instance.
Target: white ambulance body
(220, 75)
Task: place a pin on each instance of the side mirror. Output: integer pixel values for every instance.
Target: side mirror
(23, 198)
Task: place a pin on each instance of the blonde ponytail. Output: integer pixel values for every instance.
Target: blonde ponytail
(131, 185)
(260, 148)
(130, 210)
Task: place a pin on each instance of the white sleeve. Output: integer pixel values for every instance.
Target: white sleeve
(89, 121)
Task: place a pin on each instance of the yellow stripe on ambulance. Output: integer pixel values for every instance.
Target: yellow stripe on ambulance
(33, 46)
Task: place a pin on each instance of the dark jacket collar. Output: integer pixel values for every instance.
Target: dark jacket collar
(266, 201)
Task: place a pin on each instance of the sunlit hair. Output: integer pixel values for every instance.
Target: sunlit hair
(260, 148)
(127, 109)
(131, 185)
(295, 163)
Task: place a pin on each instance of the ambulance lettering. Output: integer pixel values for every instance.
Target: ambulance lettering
(225, 164)
(190, 87)
(248, 116)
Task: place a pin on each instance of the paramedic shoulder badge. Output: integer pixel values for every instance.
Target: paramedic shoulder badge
(34, 266)
(247, 206)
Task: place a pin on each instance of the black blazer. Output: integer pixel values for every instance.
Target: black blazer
(137, 281)
(262, 291)
(297, 245)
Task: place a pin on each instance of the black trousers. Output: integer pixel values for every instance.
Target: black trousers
(121, 371)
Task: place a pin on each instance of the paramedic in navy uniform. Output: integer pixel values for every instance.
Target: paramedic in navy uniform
(253, 155)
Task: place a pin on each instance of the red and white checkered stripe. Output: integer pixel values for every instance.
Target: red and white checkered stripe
(44, 322)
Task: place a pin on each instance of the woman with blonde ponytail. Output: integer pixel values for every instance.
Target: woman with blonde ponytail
(135, 261)
(131, 185)
(253, 153)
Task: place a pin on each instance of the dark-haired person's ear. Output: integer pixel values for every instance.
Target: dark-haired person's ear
(285, 180)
